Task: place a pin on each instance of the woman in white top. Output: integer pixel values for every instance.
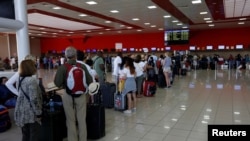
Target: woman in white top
(15, 78)
(139, 68)
(129, 74)
(167, 69)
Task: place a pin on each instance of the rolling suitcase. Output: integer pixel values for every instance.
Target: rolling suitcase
(161, 79)
(95, 118)
(108, 91)
(53, 123)
(120, 102)
(149, 88)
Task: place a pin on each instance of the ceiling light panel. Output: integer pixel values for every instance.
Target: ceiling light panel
(203, 13)
(114, 11)
(91, 2)
(152, 7)
(196, 1)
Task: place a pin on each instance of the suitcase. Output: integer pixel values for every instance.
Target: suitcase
(53, 123)
(95, 119)
(161, 79)
(108, 90)
(149, 88)
(120, 101)
(5, 122)
(183, 72)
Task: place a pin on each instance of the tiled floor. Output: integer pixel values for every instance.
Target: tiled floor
(180, 113)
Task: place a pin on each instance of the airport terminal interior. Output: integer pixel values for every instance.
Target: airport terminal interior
(212, 36)
(180, 113)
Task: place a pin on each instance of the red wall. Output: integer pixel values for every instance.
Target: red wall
(201, 38)
(105, 42)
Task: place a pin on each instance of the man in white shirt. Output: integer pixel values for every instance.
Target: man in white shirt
(117, 67)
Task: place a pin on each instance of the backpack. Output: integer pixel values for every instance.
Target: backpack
(76, 80)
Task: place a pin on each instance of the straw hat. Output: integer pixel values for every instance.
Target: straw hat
(94, 88)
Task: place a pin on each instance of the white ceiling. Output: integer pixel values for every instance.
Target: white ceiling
(98, 20)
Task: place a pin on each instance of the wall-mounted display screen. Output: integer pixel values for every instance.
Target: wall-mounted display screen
(153, 49)
(124, 50)
(167, 48)
(209, 47)
(239, 46)
(221, 47)
(132, 49)
(7, 9)
(174, 37)
(192, 48)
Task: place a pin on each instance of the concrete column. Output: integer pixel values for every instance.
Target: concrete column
(22, 36)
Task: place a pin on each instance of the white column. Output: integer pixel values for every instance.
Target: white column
(23, 46)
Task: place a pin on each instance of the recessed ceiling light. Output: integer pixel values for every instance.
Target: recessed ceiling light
(207, 19)
(54, 33)
(42, 28)
(107, 21)
(179, 24)
(82, 15)
(122, 25)
(57, 8)
(184, 27)
(211, 25)
(153, 26)
(30, 33)
(147, 23)
(91, 2)
(196, 1)
(135, 19)
(71, 32)
(139, 30)
(114, 11)
(243, 19)
(100, 33)
(160, 29)
(203, 13)
(89, 31)
(119, 32)
(39, 34)
(61, 31)
(241, 23)
(108, 29)
(129, 27)
(167, 16)
(43, 32)
(152, 7)
(175, 21)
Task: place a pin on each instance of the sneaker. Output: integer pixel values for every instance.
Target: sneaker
(133, 109)
(127, 112)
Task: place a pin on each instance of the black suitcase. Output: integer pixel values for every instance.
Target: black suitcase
(183, 72)
(54, 127)
(95, 120)
(53, 123)
(161, 79)
(108, 90)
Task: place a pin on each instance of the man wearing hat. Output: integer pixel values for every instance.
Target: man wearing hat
(75, 107)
